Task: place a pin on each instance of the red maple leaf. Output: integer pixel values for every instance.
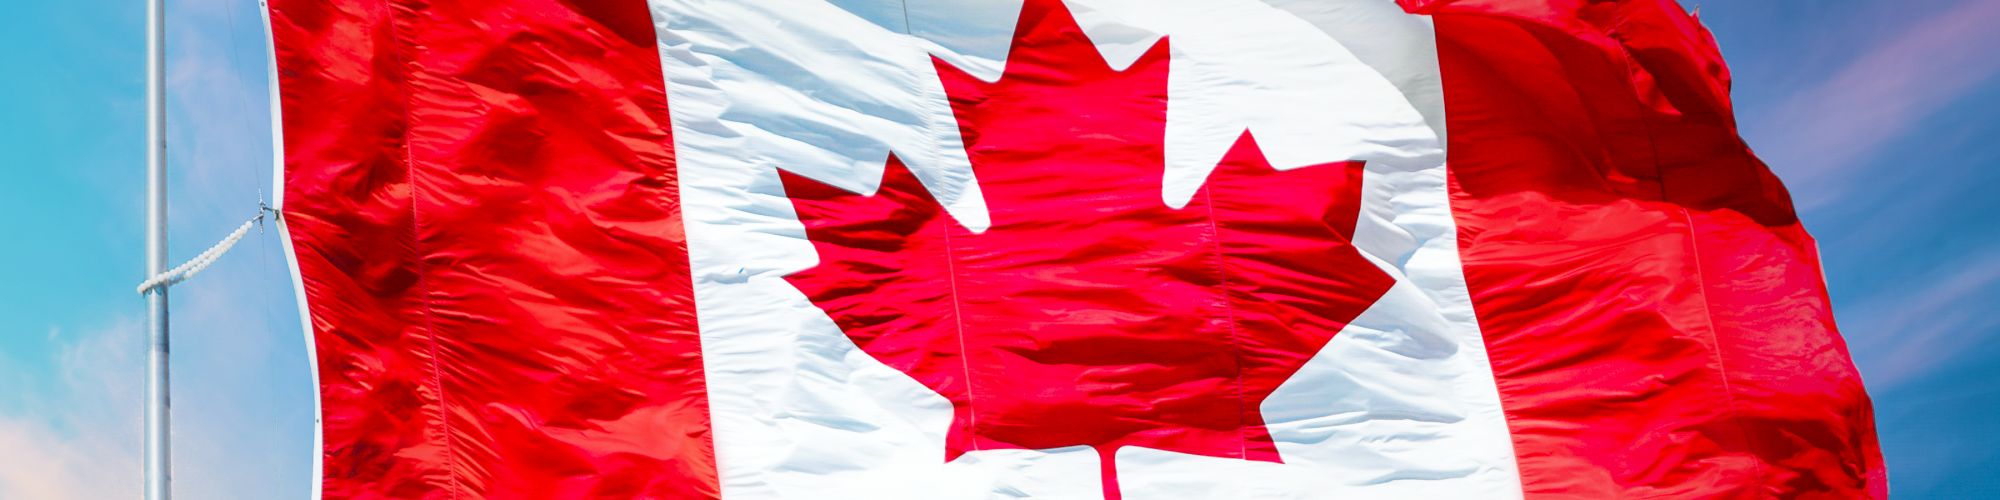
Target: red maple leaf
(1090, 313)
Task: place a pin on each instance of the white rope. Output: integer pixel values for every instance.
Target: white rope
(201, 261)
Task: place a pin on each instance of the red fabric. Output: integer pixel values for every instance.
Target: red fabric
(483, 201)
(1090, 313)
(1653, 310)
(484, 205)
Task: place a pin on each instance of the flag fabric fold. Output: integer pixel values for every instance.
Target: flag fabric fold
(1655, 310)
(1048, 249)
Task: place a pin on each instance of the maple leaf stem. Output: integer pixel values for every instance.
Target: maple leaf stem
(1107, 466)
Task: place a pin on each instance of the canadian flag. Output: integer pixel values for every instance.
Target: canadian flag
(1141, 249)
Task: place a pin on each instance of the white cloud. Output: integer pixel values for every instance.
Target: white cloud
(243, 422)
(1910, 335)
(242, 418)
(1824, 139)
(81, 442)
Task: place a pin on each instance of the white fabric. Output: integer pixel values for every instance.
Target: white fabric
(1401, 404)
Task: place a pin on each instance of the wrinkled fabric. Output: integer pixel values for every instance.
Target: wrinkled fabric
(1109, 344)
(482, 203)
(1090, 313)
(949, 249)
(1654, 311)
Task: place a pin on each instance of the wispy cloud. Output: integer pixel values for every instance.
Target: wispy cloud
(1825, 135)
(220, 124)
(1919, 333)
(82, 442)
(244, 393)
(71, 428)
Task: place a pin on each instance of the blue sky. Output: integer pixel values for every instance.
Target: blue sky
(1879, 114)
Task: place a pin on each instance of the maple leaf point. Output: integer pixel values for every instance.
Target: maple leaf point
(1090, 313)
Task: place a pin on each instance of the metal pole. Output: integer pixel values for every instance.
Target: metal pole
(159, 465)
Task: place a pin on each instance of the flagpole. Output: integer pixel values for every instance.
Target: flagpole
(158, 462)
